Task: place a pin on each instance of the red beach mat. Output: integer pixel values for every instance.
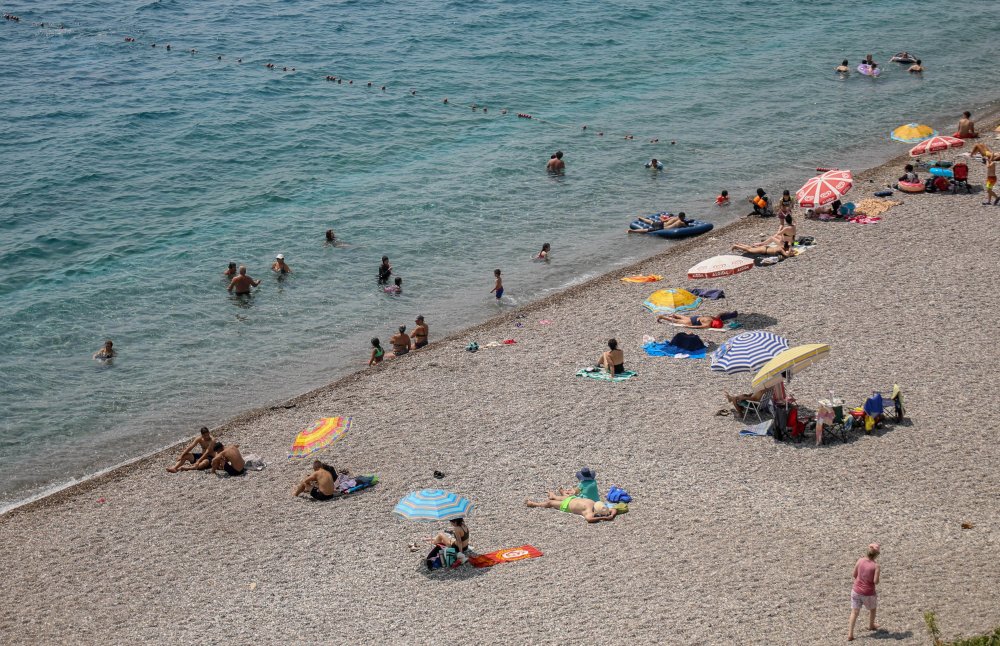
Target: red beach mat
(508, 555)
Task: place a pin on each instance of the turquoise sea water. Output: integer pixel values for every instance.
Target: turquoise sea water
(131, 175)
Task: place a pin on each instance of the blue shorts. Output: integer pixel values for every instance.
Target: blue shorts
(499, 293)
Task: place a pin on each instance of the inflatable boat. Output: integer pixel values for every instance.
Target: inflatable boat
(911, 187)
(903, 57)
(696, 227)
(868, 70)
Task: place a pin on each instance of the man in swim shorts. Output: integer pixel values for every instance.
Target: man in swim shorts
(242, 283)
(319, 482)
(420, 333)
(498, 286)
(966, 127)
(592, 512)
(198, 459)
(229, 459)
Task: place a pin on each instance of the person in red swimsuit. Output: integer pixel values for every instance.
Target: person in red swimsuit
(966, 127)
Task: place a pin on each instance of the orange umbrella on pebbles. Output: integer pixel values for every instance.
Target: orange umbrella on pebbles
(824, 189)
(936, 145)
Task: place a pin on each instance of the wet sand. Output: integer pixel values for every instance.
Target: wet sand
(729, 539)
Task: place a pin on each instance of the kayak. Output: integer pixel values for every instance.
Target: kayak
(696, 227)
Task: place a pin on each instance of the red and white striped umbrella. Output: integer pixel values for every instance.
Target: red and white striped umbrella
(936, 145)
(720, 266)
(823, 189)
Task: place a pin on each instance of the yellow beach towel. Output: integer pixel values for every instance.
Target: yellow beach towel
(873, 207)
(652, 278)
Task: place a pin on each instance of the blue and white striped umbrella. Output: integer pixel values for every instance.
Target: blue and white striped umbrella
(432, 504)
(747, 352)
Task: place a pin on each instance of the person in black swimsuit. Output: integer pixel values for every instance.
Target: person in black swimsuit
(460, 532)
(384, 271)
(613, 360)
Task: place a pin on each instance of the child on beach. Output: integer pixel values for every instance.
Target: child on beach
(377, 352)
(498, 287)
(723, 199)
(786, 204)
(866, 575)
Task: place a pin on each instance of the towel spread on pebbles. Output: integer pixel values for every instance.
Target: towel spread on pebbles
(872, 206)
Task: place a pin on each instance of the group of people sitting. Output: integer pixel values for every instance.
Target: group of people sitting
(401, 342)
(324, 483)
(779, 244)
(205, 452)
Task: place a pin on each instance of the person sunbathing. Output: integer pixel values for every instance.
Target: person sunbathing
(697, 322)
(663, 221)
(592, 512)
(739, 400)
(766, 248)
(320, 482)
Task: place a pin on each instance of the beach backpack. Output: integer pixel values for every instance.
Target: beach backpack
(440, 557)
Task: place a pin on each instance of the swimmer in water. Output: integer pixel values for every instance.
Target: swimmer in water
(396, 288)
(544, 253)
(655, 164)
(843, 68)
(242, 283)
(384, 271)
(230, 270)
(723, 199)
(916, 68)
(498, 286)
(331, 237)
(280, 265)
(556, 164)
(106, 352)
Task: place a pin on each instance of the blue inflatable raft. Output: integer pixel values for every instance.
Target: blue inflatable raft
(697, 227)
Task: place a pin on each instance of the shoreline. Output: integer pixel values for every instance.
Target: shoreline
(56, 492)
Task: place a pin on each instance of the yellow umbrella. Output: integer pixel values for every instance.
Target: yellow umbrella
(913, 133)
(671, 300)
(790, 361)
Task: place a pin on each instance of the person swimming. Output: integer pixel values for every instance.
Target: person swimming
(544, 253)
(843, 68)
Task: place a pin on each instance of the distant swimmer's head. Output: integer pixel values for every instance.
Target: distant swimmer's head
(844, 62)
(559, 154)
(232, 266)
(654, 161)
(760, 192)
(385, 259)
(725, 193)
(399, 281)
(329, 234)
(919, 61)
(204, 431)
(108, 345)
(243, 270)
(546, 246)
(280, 257)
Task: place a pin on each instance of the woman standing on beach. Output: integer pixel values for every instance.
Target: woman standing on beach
(866, 575)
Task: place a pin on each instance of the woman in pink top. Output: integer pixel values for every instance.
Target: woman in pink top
(866, 574)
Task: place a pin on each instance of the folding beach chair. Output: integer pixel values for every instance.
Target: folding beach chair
(756, 407)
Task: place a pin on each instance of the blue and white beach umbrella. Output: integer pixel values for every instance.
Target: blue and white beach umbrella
(432, 504)
(747, 352)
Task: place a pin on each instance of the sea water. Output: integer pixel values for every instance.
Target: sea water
(131, 175)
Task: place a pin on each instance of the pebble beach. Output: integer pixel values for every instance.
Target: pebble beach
(729, 539)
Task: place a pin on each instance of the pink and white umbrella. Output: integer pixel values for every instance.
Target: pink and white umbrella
(720, 266)
(936, 145)
(823, 189)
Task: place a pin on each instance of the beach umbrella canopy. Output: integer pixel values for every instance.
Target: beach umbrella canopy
(321, 434)
(432, 504)
(936, 145)
(671, 300)
(747, 352)
(720, 266)
(788, 362)
(824, 189)
(913, 133)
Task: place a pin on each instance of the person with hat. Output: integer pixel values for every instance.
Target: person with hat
(866, 575)
(420, 333)
(280, 265)
(588, 484)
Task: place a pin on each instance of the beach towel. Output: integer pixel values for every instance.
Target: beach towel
(665, 349)
(651, 278)
(508, 555)
(254, 463)
(873, 207)
(363, 482)
(863, 219)
(497, 344)
(758, 430)
(704, 329)
(601, 375)
(710, 294)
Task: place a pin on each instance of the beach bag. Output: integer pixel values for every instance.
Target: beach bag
(806, 240)
(441, 557)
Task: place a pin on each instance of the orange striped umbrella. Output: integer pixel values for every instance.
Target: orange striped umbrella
(321, 434)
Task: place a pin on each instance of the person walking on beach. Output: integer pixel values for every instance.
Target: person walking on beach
(991, 180)
(204, 441)
(280, 266)
(556, 164)
(400, 342)
(866, 576)
(420, 333)
(229, 459)
(106, 352)
(242, 283)
(498, 286)
(384, 271)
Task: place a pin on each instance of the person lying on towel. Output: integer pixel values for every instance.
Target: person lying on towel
(698, 322)
(592, 512)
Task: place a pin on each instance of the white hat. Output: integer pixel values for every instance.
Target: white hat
(280, 256)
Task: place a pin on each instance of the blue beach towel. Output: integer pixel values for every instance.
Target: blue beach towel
(664, 349)
(600, 375)
(710, 294)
